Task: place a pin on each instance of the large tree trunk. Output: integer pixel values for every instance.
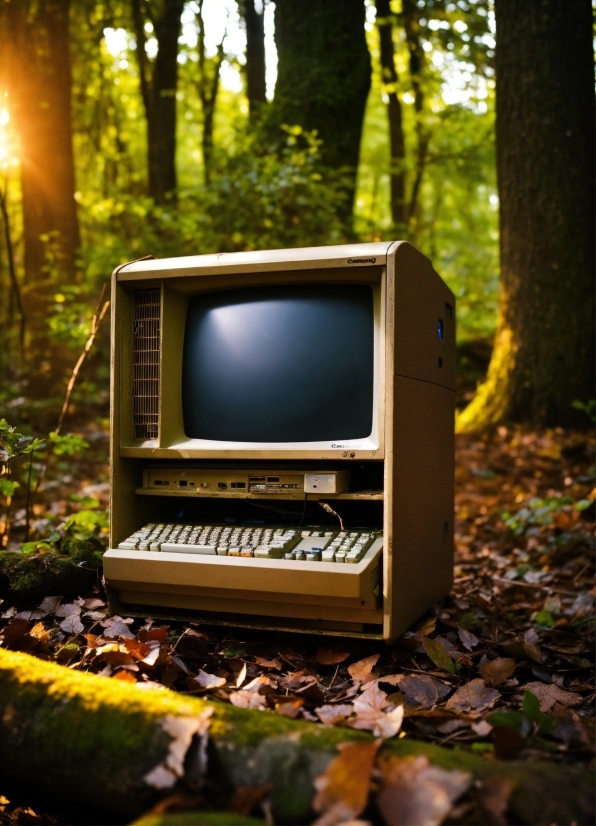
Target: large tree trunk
(255, 58)
(36, 73)
(543, 358)
(89, 738)
(323, 76)
(397, 144)
(158, 89)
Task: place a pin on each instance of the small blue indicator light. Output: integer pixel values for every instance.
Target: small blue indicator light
(440, 329)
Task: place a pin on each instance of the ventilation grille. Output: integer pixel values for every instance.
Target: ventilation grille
(145, 363)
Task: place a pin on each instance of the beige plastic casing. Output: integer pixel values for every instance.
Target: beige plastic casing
(413, 434)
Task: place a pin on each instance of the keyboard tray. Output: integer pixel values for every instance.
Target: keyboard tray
(353, 585)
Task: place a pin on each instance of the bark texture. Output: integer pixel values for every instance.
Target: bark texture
(397, 144)
(256, 86)
(324, 75)
(158, 89)
(35, 71)
(543, 358)
(109, 736)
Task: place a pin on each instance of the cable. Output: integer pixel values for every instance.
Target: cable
(329, 509)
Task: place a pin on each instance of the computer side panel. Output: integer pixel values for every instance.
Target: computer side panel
(419, 505)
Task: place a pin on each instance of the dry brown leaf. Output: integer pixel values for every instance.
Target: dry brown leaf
(330, 714)
(39, 632)
(549, 694)
(427, 627)
(159, 634)
(468, 640)
(415, 793)
(326, 656)
(530, 645)
(117, 627)
(497, 671)
(342, 789)
(206, 680)
(125, 676)
(361, 671)
(264, 663)
(139, 650)
(68, 609)
(420, 690)
(369, 709)
(289, 709)
(49, 604)
(474, 696)
(92, 603)
(72, 624)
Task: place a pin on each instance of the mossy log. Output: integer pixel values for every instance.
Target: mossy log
(84, 737)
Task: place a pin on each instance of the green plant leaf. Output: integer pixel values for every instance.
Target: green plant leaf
(531, 706)
(439, 655)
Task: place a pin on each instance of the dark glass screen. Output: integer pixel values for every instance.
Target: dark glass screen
(279, 364)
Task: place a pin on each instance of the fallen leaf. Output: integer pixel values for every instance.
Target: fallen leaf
(247, 798)
(241, 676)
(146, 634)
(330, 714)
(549, 694)
(14, 631)
(92, 603)
(474, 696)
(125, 676)
(342, 789)
(468, 640)
(530, 645)
(289, 709)
(481, 728)
(427, 627)
(117, 627)
(326, 656)
(414, 793)
(369, 710)
(50, 604)
(181, 730)
(68, 609)
(72, 624)
(139, 650)
(361, 671)
(420, 690)
(206, 680)
(497, 671)
(439, 655)
(248, 699)
(264, 663)
(39, 632)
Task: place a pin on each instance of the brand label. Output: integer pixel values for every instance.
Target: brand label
(346, 446)
(362, 260)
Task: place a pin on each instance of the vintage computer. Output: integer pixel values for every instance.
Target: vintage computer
(282, 448)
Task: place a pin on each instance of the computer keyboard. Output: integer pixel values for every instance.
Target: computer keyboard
(292, 544)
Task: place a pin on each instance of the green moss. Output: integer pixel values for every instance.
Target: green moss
(31, 578)
(88, 551)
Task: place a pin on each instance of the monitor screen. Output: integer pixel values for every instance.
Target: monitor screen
(280, 364)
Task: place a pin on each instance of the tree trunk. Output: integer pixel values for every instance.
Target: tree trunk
(84, 737)
(255, 59)
(543, 358)
(397, 144)
(207, 87)
(323, 78)
(411, 17)
(158, 89)
(36, 73)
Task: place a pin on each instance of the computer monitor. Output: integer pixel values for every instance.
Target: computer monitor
(236, 377)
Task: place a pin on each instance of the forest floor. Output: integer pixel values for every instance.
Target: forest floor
(520, 618)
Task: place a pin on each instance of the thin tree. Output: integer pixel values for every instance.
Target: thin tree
(158, 80)
(256, 87)
(207, 88)
(543, 358)
(397, 143)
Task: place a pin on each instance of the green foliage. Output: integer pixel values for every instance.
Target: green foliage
(529, 721)
(7, 488)
(13, 445)
(67, 445)
(538, 513)
(589, 408)
(86, 524)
